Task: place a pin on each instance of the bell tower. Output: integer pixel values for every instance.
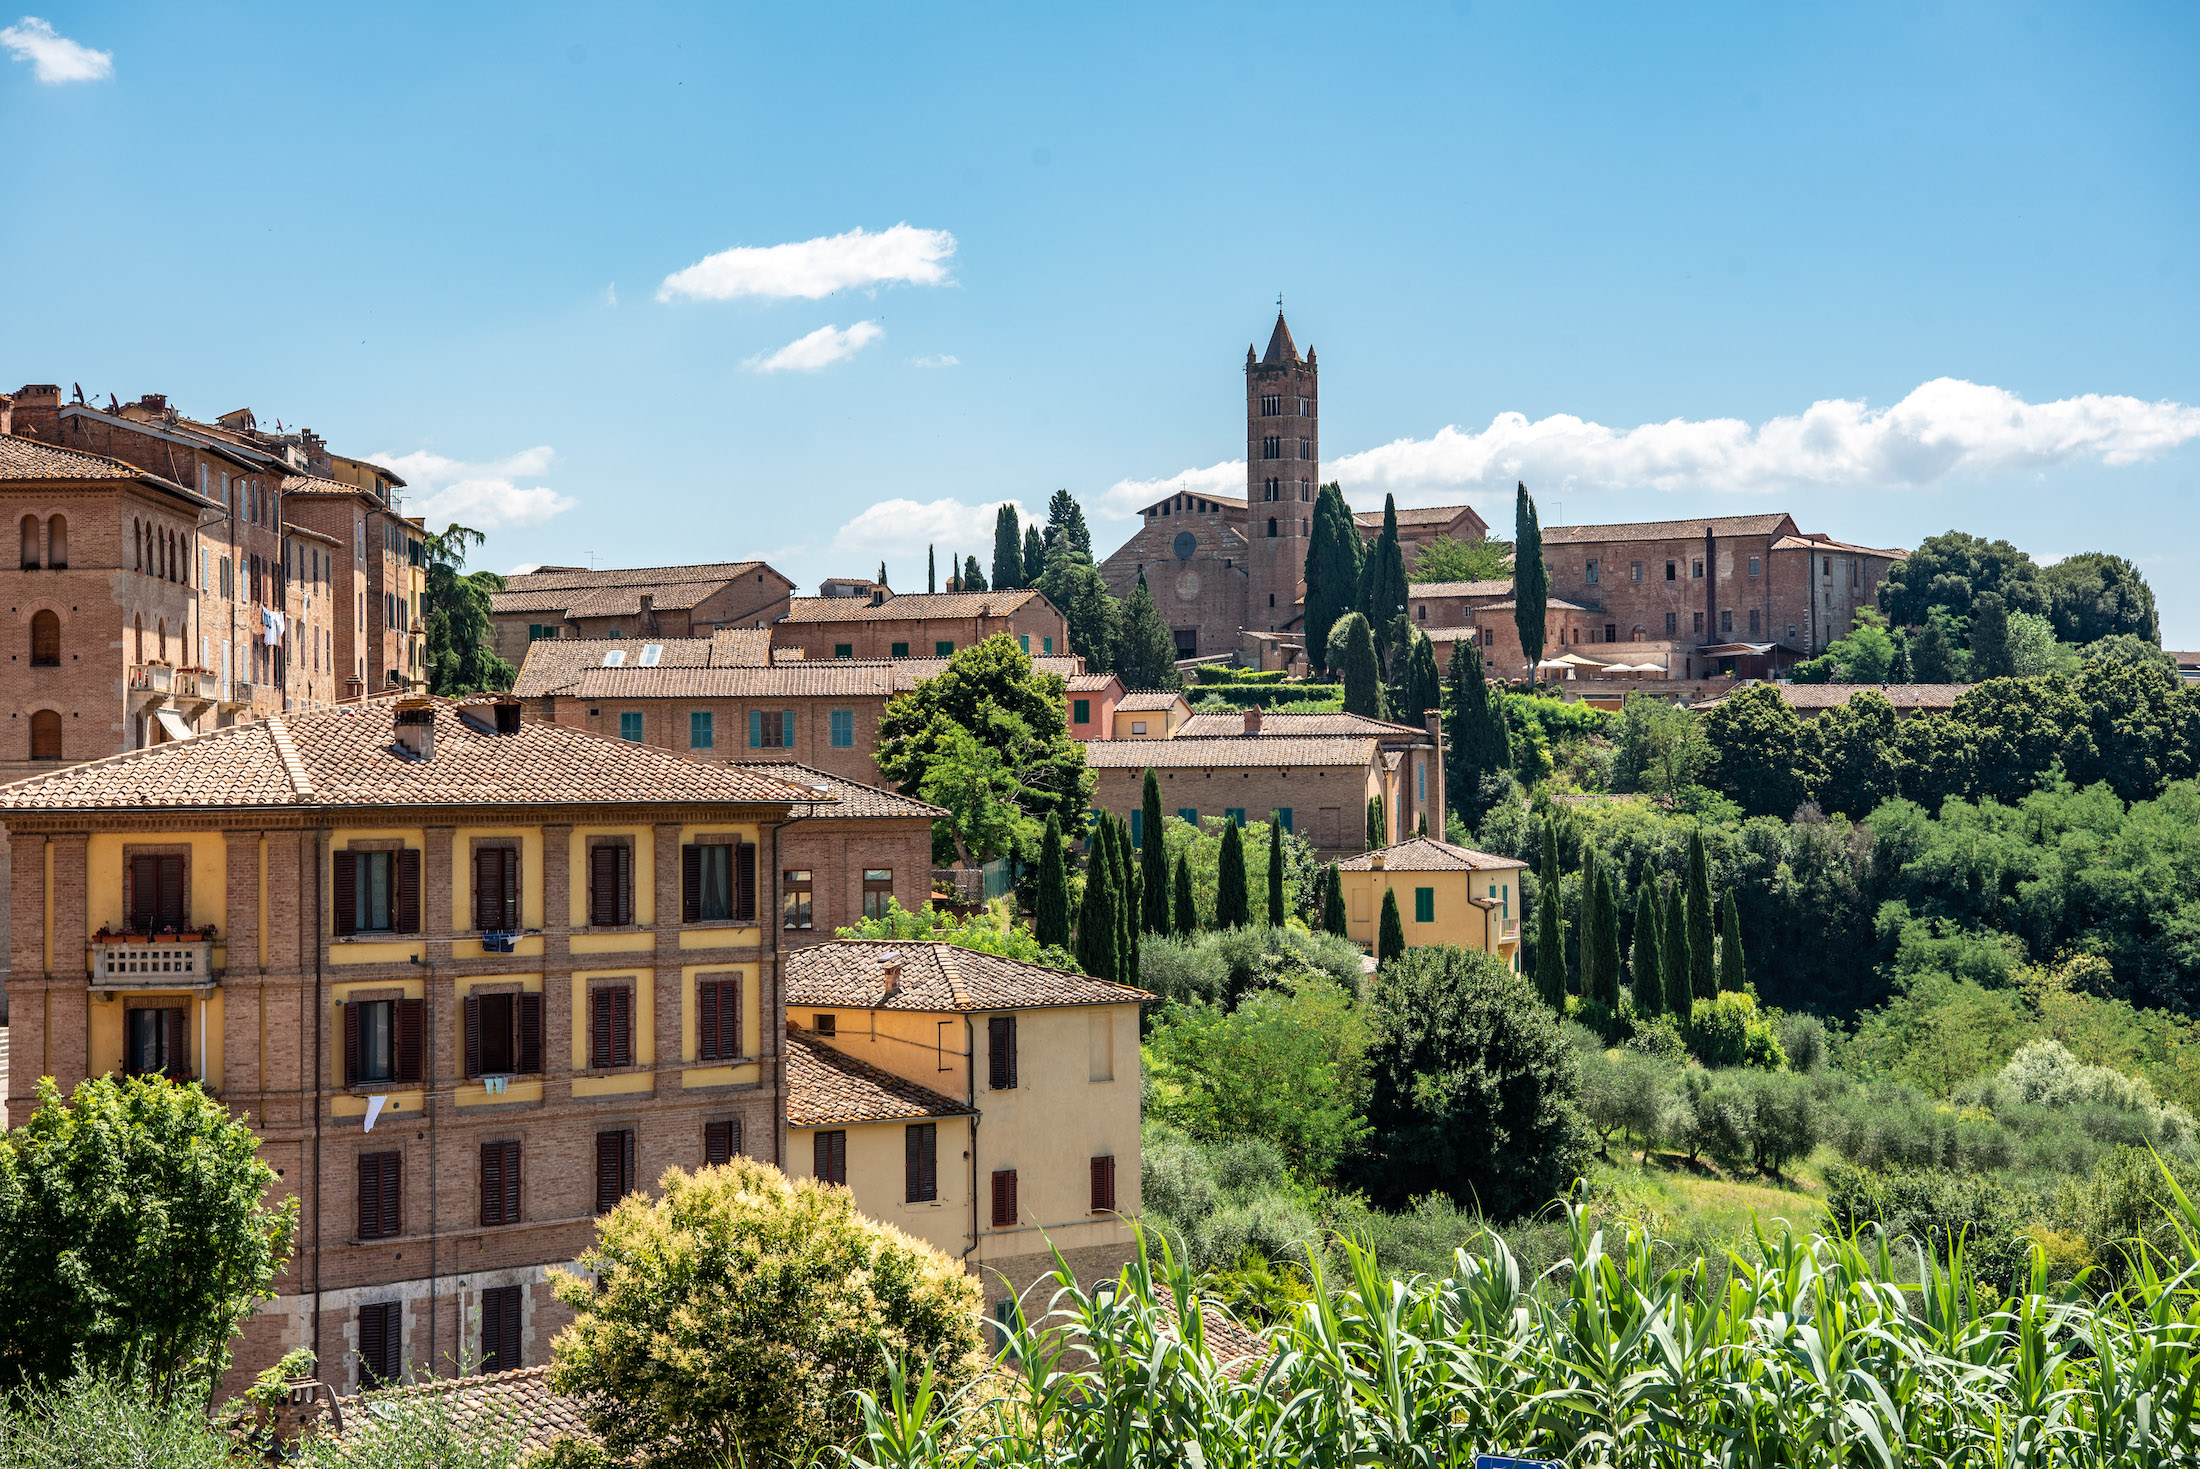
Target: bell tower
(1282, 471)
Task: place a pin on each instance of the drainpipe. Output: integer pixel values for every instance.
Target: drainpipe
(970, 1091)
(320, 1081)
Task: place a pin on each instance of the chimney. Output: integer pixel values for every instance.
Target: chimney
(7, 414)
(889, 968)
(416, 727)
(879, 596)
(1252, 719)
(1435, 719)
(507, 716)
(1375, 861)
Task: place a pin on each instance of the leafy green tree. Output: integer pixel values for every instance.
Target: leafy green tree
(2094, 595)
(1145, 655)
(980, 931)
(2033, 650)
(1099, 923)
(1187, 910)
(1659, 748)
(2129, 648)
(734, 1318)
(1050, 913)
(1990, 637)
(1382, 591)
(1866, 653)
(1066, 524)
(1951, 571)
(1477, 745)
(1378, 825)
(135, 1235)
(1607, 941)
(1550, 935)
(1899, 671)
(461, 639)
(973, 580)
(975, 783)
(1447, 559)
(99, 1420)
(1077, 590)
(1473, 1091)
(1333, 901)
(1284, 1065)
(1153, 859)
(1678, 964)
(1352, 657)
(1733, 975)
(1275, 873)
(1035, 556)
(1390, 939)
(1701, 979)
(1855, 754)
(1333, 553)
(1008, 555)
(1644, 963)
(1531, 580)
(1415, 687)
(1233, 904)
(1758, 758)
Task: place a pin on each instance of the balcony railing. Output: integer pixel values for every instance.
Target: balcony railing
(156, 964)
(152, 678)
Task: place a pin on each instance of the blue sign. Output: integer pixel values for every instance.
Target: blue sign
(1500, 1461)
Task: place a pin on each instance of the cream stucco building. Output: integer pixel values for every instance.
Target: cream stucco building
(1446, 895)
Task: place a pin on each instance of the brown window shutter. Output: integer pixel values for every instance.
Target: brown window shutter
(1103, 1185)
(488, 885)
(492, 1183)
(831, 1161)
(706, 1020)
(529, 1049)
(730, 1021)
(393, 1201)
(171, 892)
(473, 1035)
(626, 885)
(691, 885)
(510, 917)
(1000, 1048)
(144, 891)
(346, 868)
(1004, 1199)
(178, 1053)
(408, 890)
(719, 1142)
(511, 1182)
(622, 1026)
(920, 1162)
(411, 1034)
(599, 1029)
(500, 1329)
(351, 1044)
(370, 1196)
(610, 1170)
(744, 882)
(602, 873)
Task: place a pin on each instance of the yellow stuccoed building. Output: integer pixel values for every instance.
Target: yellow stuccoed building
(1446, 895)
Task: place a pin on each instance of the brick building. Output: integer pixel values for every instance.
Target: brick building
(844, 854)
(1420, 524)
(529, 954)
(646, 601)
(919, 624)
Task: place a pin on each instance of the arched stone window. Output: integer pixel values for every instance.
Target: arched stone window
(57, 543)
(30, 543)
(1271, 527)
(137, 639)
(45, 735)
(45, 639)
(160, 630)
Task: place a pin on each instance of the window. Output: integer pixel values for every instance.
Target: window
(46, 639)
(381, 1178)
(1283, 817)
(1000, 1052)
(901, 650)
(610, 1026)
(630, 725)
(1271, 527)
(614, 1168)
(651, 654)
(381, 1342)
(377, 892)
(1695, 570)
(1080, 711)
(499, 1197)
(1634, 571)
(1611, 632)
(794, 898)
(1726, 620)
(500, 1317)
(944, 648)
(825, 1025)
(1271, 405)
(1306, 407)
(829, 1157)
(1424, 905)
(610, 885)
(1138, 726)
(1188, 813)
(156, 893)
(1306, 448)
(1420, 613)
(1004, 1198)
(1007, 1321)
(844, 650)
(718, 882)
(771, 729)
(700, 734)
(1697, 622)
(878, 891)
(496, 889)
(1271, 447)
(921, 1163)
(1235, 815)
(1103, 1184)
(1670, 570)
(154, 1042)
(1023, 643)
(503, 1034)
(1826, 568)
(1138, 829)
(30, 543)
(1752, 566)
(721, 1140)
(840, 727)
(46, 735)
(382, 1041)
(718, 1019)
(1753, 620)
(1592, 573)
(1046, 647)
(1671, 624)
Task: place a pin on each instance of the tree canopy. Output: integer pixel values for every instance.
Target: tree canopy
(2094, 595)
(1333, 552)
(1008, 550)
(1145, 654)
(461, 640)
(1447, 559)
(1953, 571)
(1531, 579)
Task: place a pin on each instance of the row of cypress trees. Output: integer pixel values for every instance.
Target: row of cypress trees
(1683, 951)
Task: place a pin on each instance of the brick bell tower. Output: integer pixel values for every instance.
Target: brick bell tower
(1282, 471)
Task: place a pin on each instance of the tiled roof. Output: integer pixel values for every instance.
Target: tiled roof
(823, 679)
(314, 484)
(1813, 543)
(627, 601)
(1816, 696)
(1549, 602)
(908, 606)
(1417, 515)
(841, 797)
(348, 756)
(1149, 702)
(1426, 854)
(726, 665)
(827, 1088)
(1265, 752)
(550, 664)
(1670, 530)
(741, 647)
(1459, 589)
(938, 977)
(573, 579)
(1091, 683)
(496, 1403)
(1293, 726)
(22, 458)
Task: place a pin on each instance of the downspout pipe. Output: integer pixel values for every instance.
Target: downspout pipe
(320, 1075)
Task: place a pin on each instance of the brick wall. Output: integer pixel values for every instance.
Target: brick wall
(1328, 806)
(836, 851)
(1200, 587)
(666, 724)
(875, 637)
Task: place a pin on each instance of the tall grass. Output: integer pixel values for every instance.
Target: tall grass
(1824, 1351)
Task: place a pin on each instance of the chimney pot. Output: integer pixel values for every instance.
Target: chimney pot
(1252, 719)
(415, 724)
(890, 970)
(1375, 860)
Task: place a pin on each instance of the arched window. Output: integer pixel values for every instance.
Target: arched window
(45, 735)
(160, 631)
(30, 543)
(1271, 527)
(137, 640)
(57, 543)
(45, 639)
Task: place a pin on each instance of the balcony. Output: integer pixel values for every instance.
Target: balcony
(167, 962)
(240, 696)
(152, 679)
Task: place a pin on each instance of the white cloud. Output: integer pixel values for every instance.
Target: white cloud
(486, 496)
(821, 348)
(611, 294)
(898, 527)
(945, 359)
(810, 269)
(1944, 427)
(55, 58)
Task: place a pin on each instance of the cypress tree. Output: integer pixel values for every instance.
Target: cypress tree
(1415, 686)
(1732, 976)
(1066, 521)
(1391, 941)
(1187, 908)
(1126, 899)
(1333, 553)
(1590, 984)
(1607, 932)
(1332, 900)
(1275, 870)
(1477, 745)
(1353, 662)
(1233, 905)
(1382, 595)
(1050, 910)
(1679, 996)
(1702, 980)
(1900, 671)
(1649, 975)
(1420, 825)
(882, 573)
(1153, 861)
(931, 571)
(1035, 556)
(1096, 921)
(1531, 580)
(1378, 825)
(1550, 930)
(1008, 550)
(973, 580)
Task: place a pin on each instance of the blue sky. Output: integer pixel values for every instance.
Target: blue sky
(1892, 268)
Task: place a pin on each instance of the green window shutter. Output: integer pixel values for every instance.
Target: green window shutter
(756, 729)
(700, 734)
(1235, 815)
(1081, 711)
(844, 650)
(1138, 828)
(630, 726)
(944, 648)
(1023, 641)
(786, 729)
(1424, 905)
(901, 650)
(1046, 647)
(1188, 813)
(844, 729)
(1283, 818)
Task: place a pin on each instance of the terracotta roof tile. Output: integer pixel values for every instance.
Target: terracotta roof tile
(1816, 696)
(1777, 523)
(1149, 701)
(842, 798)
(1231, 725)
(497, 1402)
(627, 601)
(550, 664)
(938, 977)
(1091, 683)
(1415, 515)
(644, 577)
(22, 458)
(783, 680)
(1459, 589)
(1426, 854)
(1813, 543)
(1265, 752)
(827, 1088)
(908, 606)
(741, 647)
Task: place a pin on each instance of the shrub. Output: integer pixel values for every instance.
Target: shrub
(95, 1421)
(1729, 1030)
(1802, 1039)
(1937, 1208)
